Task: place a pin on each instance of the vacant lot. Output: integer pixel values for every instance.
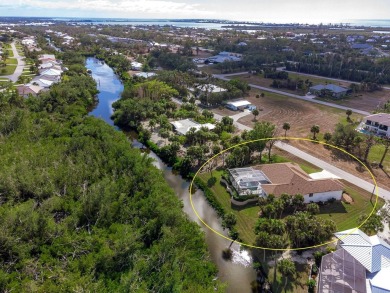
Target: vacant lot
(300, 114)
(366, 101)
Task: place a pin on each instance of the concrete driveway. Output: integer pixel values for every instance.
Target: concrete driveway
(19, 68)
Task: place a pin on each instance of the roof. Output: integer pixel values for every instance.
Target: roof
(372, 252)
(340, 272)
(381, 118)
(380, 279)
(248, 177)
(52, 72)
(239, 103)
(29, 89)
(145, 74)
(183, 126)
(332, 87)
(290, 178)
(361, 46)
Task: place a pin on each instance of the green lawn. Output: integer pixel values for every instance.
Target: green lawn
(11, 61)
(346, 215)
(315, 80)
(7, 70)
(376, 154)
(10, 52)
(246, 218)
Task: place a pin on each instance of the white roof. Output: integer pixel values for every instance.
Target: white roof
(239, 103)
(381, 279)
(183, 126)
(54, 72)
(372, 252)
(145, 74)
(323, 175)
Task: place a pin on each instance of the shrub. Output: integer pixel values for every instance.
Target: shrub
(211, 182)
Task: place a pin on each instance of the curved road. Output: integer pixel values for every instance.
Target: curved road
(304, 98)
(19, 68)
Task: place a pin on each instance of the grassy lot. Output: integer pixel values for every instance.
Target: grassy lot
(298, 285)
(317, 80)
(7, 70)
(11, 53)
(376, 154)
(346, 215)
(11, 61)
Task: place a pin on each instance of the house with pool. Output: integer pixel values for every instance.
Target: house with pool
(377, 124)
(289, 178)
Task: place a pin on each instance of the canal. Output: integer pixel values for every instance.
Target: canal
(237, 273)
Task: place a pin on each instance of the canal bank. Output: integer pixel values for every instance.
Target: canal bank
(237, 273)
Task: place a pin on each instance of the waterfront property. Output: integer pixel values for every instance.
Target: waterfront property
(332, 90)
(288, 178)
(377, 124)
(361, 265)
(183, 126)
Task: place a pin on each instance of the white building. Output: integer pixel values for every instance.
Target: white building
(377, 124)
(183, 126)
(236, 105)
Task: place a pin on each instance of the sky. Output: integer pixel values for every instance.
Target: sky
(276, 11)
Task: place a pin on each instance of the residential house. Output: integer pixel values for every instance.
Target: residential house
(225, 56)
(51, 72)
(291, 179)
(145, 74)
(334, 90)
(27, 90)
(183, 126)
(248, 181)
(361, 265)
(236, 105)
(136, 65)
(377, 124)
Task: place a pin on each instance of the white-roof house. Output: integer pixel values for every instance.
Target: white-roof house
(368, 253)
(377, 124)
(183, 126)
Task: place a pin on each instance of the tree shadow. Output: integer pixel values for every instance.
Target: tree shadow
(336, 207)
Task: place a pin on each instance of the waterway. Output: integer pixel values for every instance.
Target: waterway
(237, 273)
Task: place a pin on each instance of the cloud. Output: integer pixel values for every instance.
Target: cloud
(122, 7)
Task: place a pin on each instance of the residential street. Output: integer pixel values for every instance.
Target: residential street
(305, 98)
(19, 68)
(368, 186)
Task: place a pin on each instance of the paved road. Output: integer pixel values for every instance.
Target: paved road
(19, 68)
(368, 186)
(304, 98)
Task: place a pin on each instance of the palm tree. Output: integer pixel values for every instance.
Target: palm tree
(286, 127)
(287, 268)
(315, 129)
(255, 113)
(349, 113)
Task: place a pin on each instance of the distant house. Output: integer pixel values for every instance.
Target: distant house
(136, 65)
(51, 72)
(27, 90)
(209, 88)
(145, 74)
(236, 105)
(334, 90)
(225, 56)
(183, 126)
(241, 44)
(377, 124)
(289, 178)
(361, 265)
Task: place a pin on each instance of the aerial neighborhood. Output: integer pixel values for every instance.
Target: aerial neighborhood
(276, 137)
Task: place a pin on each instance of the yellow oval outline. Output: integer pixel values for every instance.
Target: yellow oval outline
(284, 249)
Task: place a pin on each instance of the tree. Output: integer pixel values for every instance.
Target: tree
(286, 127)
(313, 208)
(349, 113)
(315, 129)
(287, 268)
(255, 113)
(327, 137)
(261, 130)
(373, 225)
(386, 143)
(229, 220)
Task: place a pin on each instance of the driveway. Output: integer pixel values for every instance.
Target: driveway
(19, 68)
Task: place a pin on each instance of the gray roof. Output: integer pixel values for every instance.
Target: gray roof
(362, 46)
(332, 87)
(248, 177)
